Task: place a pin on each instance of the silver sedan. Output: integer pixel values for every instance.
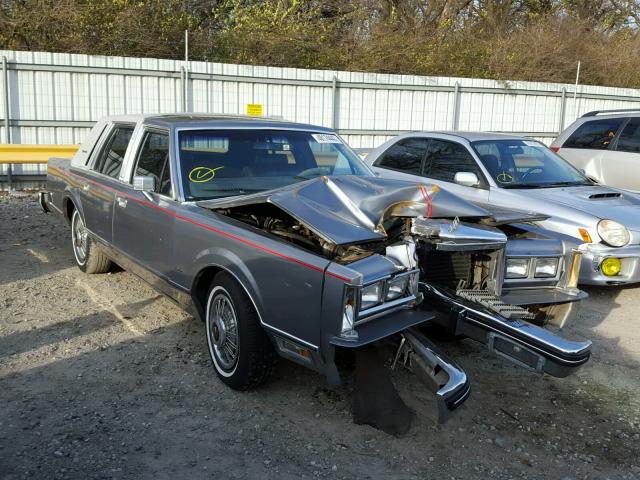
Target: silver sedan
(517, 172)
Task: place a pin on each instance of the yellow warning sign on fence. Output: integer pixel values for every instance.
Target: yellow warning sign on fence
(254, 109)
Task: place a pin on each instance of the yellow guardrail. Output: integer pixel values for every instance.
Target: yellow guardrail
(22, 153)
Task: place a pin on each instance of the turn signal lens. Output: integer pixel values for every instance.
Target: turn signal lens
(585, 235)
(348, 315)
(611, 266)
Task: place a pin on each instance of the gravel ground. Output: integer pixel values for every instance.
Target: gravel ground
(101, 377)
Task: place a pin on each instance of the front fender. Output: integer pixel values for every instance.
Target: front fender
(230, 262)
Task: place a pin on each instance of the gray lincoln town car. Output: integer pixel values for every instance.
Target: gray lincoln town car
(517, 172)
(284, 242)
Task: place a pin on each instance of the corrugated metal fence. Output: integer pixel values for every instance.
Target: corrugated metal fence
(53, 98)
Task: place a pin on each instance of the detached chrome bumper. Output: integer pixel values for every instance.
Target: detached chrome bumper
(440, 374)
(594, 254)
(523, 343)
(44, 198)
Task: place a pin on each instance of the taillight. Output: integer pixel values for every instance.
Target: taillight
(555, 149)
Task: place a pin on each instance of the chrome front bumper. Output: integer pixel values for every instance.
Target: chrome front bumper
(521, 342)
(594, 254)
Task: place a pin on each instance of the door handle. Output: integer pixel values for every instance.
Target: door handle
(122, 202)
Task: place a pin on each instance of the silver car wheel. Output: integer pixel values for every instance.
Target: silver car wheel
(79, 238)
(222, 331)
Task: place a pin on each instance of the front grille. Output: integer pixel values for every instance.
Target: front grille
(446, 269)
(492, 302)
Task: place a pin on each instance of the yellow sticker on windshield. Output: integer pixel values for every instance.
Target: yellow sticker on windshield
(203, 174)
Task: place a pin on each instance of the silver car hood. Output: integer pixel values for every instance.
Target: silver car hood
(353, 209)
(596, 200)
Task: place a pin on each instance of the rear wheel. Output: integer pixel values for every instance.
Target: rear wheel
(88, 257)
(241, 353)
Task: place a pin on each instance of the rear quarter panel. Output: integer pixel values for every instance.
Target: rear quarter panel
(62, 185)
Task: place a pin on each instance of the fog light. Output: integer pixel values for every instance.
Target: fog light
(611, 266)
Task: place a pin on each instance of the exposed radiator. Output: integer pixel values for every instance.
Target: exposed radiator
(446, 269)
(492, 302)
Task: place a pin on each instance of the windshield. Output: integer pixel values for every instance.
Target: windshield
(526, 164)
(222, 163)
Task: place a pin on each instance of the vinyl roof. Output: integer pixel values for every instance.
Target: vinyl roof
(203, 120)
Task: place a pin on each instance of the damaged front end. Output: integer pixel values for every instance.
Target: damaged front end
(479, 295)
(416, 254)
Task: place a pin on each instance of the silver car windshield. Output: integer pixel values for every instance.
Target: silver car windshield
(526, 164)
(221, 163)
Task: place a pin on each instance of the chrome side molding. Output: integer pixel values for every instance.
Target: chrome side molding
(440, 374)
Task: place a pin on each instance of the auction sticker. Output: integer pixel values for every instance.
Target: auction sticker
(326, 138)
(254, 109)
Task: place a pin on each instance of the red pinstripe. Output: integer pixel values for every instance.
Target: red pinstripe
(212, 229)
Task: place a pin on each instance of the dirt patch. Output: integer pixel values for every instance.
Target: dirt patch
(102, 377)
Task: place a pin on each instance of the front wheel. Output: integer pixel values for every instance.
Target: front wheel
(240, 350)
(88, 258)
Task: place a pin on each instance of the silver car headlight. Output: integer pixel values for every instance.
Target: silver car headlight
(613, 233)
(546, 267)
(517, 268)
(371, 295)
(397, 287)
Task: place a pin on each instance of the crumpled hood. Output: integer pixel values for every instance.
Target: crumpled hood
(353, 209)
(597, 200)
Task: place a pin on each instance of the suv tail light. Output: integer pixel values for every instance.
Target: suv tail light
(555, 149)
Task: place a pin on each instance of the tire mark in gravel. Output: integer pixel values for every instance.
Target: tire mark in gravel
(110, 307)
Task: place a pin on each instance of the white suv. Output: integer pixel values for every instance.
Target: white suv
(605, 144)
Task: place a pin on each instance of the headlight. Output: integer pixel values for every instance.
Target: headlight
(371, 295)
(397, 287)
(517, 268)
(546, 267)
(613, 233)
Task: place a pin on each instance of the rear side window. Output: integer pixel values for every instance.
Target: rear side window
(153, 161)
(595, 134)
(629, 140)
(445, 159)
(405, 156)
(109, 162)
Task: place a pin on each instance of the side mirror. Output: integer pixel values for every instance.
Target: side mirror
(466, 179)
(144, 183)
